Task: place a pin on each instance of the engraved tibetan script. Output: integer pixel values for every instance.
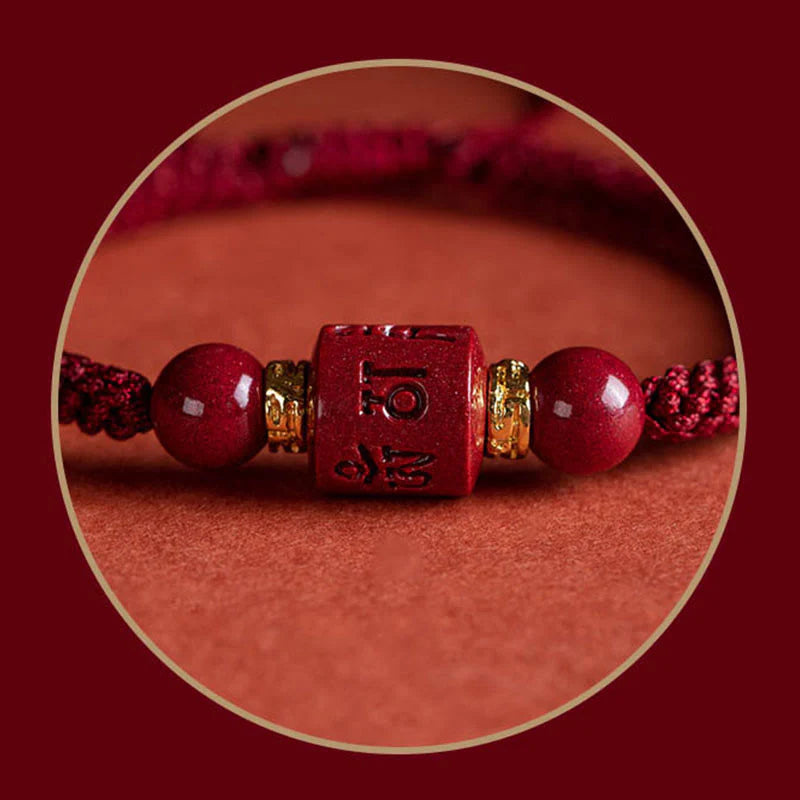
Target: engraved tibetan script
(398, 469)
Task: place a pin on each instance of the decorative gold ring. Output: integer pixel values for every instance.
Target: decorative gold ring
(508, 429)
(285, 405)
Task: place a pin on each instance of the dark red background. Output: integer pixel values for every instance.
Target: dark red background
(700, 95)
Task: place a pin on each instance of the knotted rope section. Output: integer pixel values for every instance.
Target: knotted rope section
(510, 169)
(685, 404)
(103, 398)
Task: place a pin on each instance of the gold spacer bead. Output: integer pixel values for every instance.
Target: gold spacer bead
(508, 409)
(285, 405)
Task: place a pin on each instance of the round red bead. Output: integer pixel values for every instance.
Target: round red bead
(207, 406)
(588, 410)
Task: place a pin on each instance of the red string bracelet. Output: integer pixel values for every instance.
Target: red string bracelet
(399, 408)
(422, 395)
(508, 169)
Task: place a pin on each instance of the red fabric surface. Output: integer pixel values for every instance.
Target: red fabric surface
(382, 621)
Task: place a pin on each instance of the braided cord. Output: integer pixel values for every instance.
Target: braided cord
(510, 169)
(685, 404)
(103, 398)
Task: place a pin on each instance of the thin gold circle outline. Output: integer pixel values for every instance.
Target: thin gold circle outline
(425, 64)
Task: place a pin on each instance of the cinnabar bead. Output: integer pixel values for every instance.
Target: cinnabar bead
(587, 408)
(397, 409)
(207, 406)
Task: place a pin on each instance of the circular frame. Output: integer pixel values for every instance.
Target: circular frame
(345, 67)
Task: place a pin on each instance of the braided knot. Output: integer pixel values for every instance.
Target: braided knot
(100, 397)
(201, 176)
(688, 404)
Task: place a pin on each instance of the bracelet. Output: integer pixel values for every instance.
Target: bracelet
(405, 409)
(393, 408)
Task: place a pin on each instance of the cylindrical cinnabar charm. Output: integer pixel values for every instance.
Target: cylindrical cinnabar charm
(397, 409)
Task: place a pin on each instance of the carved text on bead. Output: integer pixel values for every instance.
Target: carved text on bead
(404, 400)
(398, 469)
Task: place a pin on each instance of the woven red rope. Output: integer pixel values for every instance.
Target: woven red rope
(681, 405)
(685, 404)
(510, 169)
(103, 398)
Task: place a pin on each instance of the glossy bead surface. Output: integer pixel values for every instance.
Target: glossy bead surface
(588, 410)
(207, 406)
(397, 409)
